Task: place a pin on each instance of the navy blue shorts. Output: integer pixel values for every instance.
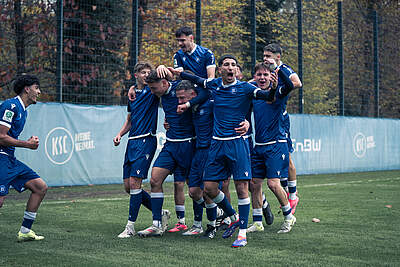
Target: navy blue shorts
(228, 157)
(138, 156)
(270, 161)
(177, 158)
(14, 173)
(197, 169)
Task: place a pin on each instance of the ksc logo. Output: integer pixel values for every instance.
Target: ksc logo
(359, 145)
(59, 145)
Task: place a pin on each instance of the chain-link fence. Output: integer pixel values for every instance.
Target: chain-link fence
(84, 50)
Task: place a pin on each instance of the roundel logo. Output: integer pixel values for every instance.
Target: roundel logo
(59, 145)
(359, 145)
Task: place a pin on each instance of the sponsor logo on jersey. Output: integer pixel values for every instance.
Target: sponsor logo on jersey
(8, 115)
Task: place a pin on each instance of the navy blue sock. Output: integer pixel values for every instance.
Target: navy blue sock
(211, 211)
(197, 211)
(224, 204)
(134, 204)
(244, 210)
(157, 200)
(29, 218)
(146, 199)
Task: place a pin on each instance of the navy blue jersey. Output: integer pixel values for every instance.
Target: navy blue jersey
(289, 71)
(231, 105)
(196, 61)
(181, 125)
(13, 115)
(268, 119)
(203, 123)
(144, 111)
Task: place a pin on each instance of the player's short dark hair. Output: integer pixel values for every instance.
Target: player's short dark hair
(153, 77)
(24, 80)
(221, 59)
(185, 30)
(185, 85)
(142, 65)
(240, 67)
(260, 66)
(273, 48)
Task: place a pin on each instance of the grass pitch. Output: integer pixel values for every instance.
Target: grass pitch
(359, 213)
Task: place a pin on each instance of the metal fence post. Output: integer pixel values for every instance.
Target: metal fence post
(300, 50)
(253, 34)
(376, 63)
(59, 66)
(198, 22)
(340, 50)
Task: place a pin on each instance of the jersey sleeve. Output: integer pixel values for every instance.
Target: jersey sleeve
(210, 59)
(128, 108)
(178, 61)
(287, 70)
(7, 114)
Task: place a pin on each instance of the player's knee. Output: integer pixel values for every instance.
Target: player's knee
(274, 185)
(43, 190)
(195, 192)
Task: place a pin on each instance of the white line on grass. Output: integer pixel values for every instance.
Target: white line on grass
(90, 200)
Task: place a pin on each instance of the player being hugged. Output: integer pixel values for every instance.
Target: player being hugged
(12, 171)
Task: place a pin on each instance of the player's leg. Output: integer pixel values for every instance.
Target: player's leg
(38, 190)
(255, 188)
(211, 211)
(158, 176)
(223, 222)
(133, 185)
(292, 185)
(2, 198)
(277, 162)
(179, 197)
(244, 210)
(196, 193)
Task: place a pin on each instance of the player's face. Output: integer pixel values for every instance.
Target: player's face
(239, 74)
(228, 70)
(33, 92)
(184, 95)
(275, 56)
(262, 78)
(159, 88)
(185, 42)
(142, 75)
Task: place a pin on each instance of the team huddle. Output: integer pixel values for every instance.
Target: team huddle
(209, 141)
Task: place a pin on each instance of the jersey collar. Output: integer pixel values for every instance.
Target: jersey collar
(22, 103)
(230, 84)
(191, 52)
(169, 89)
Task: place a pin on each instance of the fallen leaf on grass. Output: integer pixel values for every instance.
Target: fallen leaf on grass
(388, 206)
(316, 220)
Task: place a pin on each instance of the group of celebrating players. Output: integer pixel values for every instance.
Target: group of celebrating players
(209, 140)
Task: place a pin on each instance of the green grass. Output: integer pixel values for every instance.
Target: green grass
(80, 225)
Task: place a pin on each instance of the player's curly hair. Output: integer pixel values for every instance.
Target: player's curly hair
(142, 65)
(24, 80)
(222, 58)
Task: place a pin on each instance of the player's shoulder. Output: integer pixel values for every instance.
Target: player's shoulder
(11, 103)
(178, 53)
(287, 69)
(203, 50)
(245, 84)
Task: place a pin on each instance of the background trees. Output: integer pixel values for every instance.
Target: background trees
(97, 48)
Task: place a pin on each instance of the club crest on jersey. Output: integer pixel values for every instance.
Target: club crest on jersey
(2, 189)
(233, 90)
(147, 156)
(8, 115)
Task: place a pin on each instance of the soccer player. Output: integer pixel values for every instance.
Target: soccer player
(13, 172)
(270, 157)
(274, 51)
(193, 57)
(176, 155)
(203, 124)
(141, 123)
(229, 152)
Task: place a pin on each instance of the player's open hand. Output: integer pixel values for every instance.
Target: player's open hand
(163, 72)
(176, 72)
(274, 79)
(243, 128)
(33, 142)
(117, 140)
(181, 108)
(132, 93)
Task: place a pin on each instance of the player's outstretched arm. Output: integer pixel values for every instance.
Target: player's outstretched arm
(124, 129)
(6, 140)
